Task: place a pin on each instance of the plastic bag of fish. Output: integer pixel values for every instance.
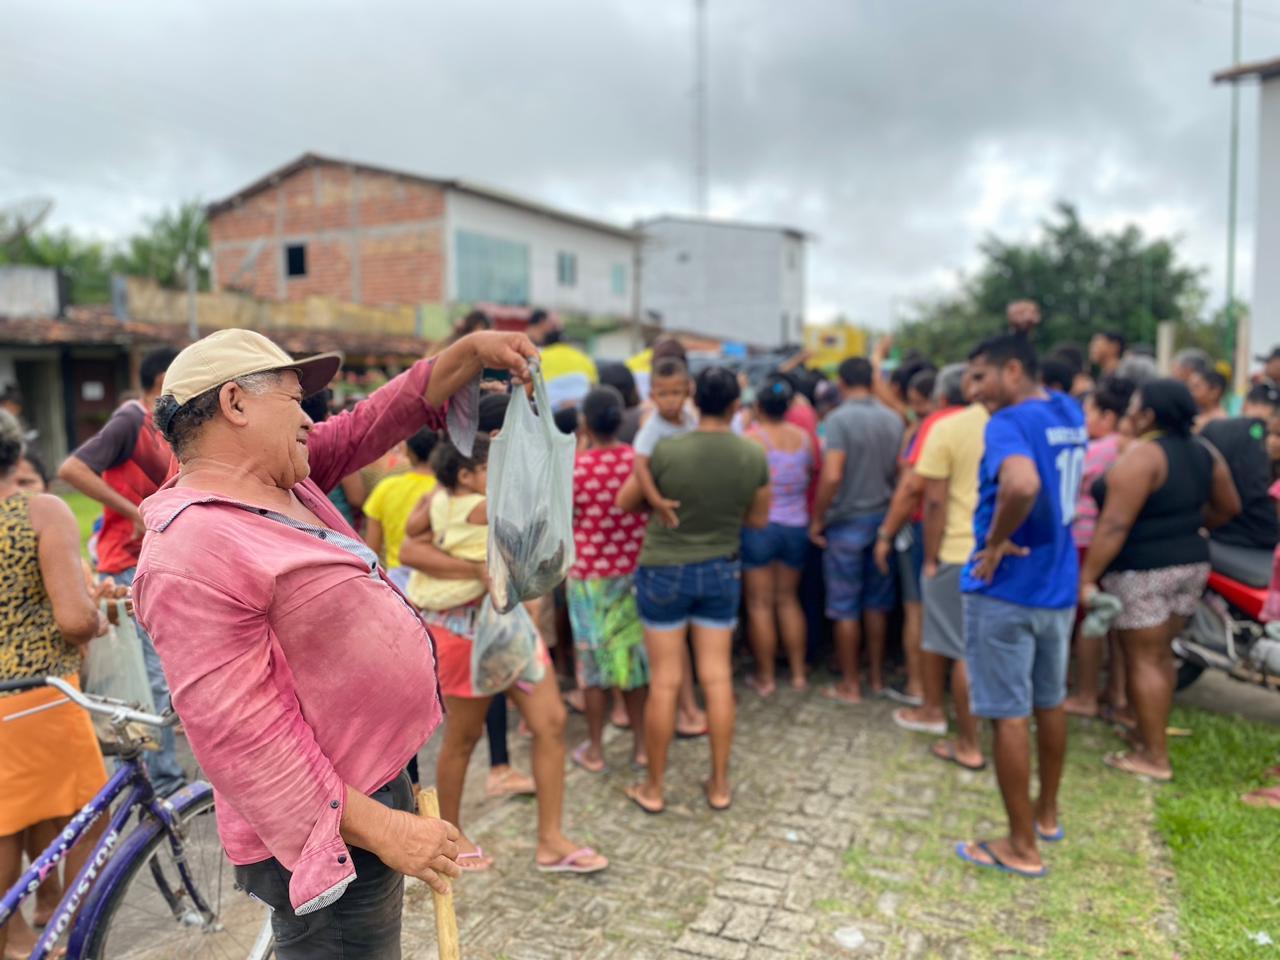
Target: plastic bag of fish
(530, 502)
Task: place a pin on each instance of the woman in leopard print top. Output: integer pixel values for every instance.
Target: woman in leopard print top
(50, 764)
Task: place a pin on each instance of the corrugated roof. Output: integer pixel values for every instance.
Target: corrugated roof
(1263, 70)
(98, 325)
(308, 160)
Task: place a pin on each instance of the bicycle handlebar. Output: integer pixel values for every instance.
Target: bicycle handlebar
(107, 707)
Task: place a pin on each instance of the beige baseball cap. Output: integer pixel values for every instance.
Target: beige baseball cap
(229, 354)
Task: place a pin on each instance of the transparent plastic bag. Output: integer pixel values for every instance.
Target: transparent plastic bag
(530, 502)
(113, 664)
(505, 650)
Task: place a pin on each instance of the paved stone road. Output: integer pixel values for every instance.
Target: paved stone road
(816, 785)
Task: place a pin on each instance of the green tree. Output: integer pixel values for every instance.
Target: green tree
(162, 250)
(159, 252)
(84, 263)
(1083, 280)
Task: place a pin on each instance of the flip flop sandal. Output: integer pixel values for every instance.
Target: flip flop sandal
(482, 862)
(950, 757)
(579, 758)
(686, 735)
(636, 800)
(831, 693)
(1056, 837)
(706, 792)
(755, 685)
(937, 728)
(1124, 763)
(996, 863)
(572, 863)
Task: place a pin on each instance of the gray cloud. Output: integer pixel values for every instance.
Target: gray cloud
(898, 131)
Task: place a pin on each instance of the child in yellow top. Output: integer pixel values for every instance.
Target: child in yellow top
(459, 525)
(388, 508)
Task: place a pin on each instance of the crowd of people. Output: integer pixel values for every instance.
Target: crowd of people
(312, 587)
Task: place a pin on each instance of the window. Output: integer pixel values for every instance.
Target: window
(295, 260)
(619, 278)
(567, 269)
(491, 269)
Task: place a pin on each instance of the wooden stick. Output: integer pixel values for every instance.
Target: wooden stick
(446, 919)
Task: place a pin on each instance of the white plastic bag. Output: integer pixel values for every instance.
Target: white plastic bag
(530, 502)
(113, 664)
(504, 651)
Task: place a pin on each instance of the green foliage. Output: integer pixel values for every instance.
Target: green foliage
(159, 252)
(84, 262)
(1083, 280)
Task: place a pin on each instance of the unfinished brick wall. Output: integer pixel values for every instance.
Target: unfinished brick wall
(370, 238)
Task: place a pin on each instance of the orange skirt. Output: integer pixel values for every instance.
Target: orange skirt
(50, 762)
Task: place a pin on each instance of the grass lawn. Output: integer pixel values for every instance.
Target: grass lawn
(1114, 888)
(1226, 855)
(86, 511)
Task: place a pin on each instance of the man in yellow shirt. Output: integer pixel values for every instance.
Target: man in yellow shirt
(388, 507)
(948, 463)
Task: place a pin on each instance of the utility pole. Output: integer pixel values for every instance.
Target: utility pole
(1241, 366)
(700, 106)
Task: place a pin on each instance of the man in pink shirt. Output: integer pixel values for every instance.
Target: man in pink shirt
(304, 679)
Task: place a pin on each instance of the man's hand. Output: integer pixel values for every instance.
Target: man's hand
(421, 847)
(139, 526)
(666, 511)
(987, 560)
(818, 534)
(504, 351)
(930, 568)
(883, 549)
(881, 352)
(1023, 314)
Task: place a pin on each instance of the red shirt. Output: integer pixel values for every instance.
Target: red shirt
(805, 417)
(133, 458)
(608, 541)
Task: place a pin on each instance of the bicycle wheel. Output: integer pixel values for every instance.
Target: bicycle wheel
(150, 914)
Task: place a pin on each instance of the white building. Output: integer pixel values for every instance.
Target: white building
(739, 282)
(1265, 305)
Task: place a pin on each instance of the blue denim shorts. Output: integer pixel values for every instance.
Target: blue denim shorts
(775, 544)
(704, 594)
(854, 583)
(1017, 656)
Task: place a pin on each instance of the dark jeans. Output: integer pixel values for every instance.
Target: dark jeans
(363, 924)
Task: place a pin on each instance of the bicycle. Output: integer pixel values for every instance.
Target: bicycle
(155, 890)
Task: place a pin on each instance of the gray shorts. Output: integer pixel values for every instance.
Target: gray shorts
(1016, 656)
(944, 612)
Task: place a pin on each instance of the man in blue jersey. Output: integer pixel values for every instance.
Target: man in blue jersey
(1020, 590)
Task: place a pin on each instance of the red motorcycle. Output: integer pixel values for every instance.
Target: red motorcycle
(1226, 632)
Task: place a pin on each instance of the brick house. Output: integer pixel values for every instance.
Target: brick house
(369, 235)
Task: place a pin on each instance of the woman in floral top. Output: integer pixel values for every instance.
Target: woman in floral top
(607, 634)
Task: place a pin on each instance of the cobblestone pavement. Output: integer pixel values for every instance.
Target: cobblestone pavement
(828, 799)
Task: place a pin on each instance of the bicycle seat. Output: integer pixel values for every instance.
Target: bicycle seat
(1246, 565)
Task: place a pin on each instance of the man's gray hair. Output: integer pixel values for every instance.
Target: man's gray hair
(13, 442)
(1194, 360)
(181, 425)
(949, 390)
(1137, 369)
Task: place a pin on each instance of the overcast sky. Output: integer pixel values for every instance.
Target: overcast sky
(897, 131)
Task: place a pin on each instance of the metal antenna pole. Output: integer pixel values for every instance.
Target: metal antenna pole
(700, 106)
(1233, 177)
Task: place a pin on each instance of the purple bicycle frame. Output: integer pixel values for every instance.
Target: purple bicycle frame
(143, 796)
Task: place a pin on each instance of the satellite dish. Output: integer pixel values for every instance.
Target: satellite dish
(19, 218)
